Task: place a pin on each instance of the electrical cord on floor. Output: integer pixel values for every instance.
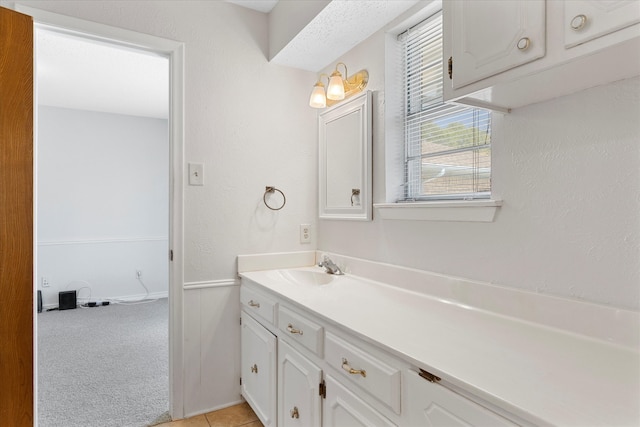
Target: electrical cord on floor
(90, 304)
(143, 300)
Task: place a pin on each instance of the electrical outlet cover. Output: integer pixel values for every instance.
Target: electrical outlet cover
(305, 233)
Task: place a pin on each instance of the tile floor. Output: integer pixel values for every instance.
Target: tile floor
(233, 416)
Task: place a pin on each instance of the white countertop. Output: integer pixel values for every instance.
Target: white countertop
(542, 374)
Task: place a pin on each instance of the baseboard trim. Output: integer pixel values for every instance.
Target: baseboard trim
(125, 299)
(214, 408)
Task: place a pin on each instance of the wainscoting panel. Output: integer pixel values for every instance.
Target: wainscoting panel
(212, 345)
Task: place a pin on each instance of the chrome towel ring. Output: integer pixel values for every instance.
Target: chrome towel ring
(270, 189)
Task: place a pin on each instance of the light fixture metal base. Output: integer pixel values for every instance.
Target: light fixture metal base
(353, 85)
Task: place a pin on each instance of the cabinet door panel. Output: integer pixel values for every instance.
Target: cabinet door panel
(587, 20)
(430, 404)
(489, 37)
(342, 408)
(299, 401)
(258, 369)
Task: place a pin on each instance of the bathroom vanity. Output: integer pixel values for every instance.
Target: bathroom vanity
(413, 348)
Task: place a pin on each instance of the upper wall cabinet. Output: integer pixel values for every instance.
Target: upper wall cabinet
(491, 38)
(587, 20)
(505, 55)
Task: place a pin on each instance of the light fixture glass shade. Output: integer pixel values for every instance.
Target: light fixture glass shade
(318, 98)
(335, 91)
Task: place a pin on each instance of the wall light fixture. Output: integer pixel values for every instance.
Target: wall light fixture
(339, 88)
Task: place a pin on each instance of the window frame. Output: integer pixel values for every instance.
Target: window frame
(416, 117)
(479, 210)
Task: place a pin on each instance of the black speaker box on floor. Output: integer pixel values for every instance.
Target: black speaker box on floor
(66, 300)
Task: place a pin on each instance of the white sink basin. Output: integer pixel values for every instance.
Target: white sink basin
(307, 277)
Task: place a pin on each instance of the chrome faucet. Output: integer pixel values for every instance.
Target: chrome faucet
(329, 266)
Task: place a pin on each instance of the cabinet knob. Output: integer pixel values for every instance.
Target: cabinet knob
(294, 412)
(293, 330)
(524, 43)
(254, 368)
(346, 367)
(578, 22)
(254, 304)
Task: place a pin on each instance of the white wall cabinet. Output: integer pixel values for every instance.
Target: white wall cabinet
(588, 20)
(325, 376)
(493, 36)
(258, 370)
(506, 55)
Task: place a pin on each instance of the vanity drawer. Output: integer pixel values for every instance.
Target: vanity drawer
(256, 303)
(363, 368)
(301, 329)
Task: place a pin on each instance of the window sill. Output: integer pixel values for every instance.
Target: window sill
(459, 210)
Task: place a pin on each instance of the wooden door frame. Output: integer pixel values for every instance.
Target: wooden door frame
(174, 50)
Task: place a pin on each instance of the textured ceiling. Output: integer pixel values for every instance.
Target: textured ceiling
(338, 28)
(264, 6)
(74, 72)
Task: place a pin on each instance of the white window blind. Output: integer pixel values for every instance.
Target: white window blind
(447, 147)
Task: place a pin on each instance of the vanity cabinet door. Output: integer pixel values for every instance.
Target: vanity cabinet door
(489, 37)
(299, 400)
(343, 408)
(258, 369)
(430, 404)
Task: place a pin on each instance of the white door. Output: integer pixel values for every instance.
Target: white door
(299, 400)
(587, 20)
(489, 37)
(258, 369)
(342, 408)
(430, 404)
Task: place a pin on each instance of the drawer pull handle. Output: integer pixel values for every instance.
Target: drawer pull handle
(254, 304)
(346, 367)
(578, 22)
(294, 412)
(292, 330)
(524, 43)
(254, 368)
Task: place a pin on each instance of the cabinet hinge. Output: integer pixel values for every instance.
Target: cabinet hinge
(322, 389)
(429, 376)
(241, 320)
(450, 68)
(240, 380)
(170, 254)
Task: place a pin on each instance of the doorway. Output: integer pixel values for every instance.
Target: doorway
(174, 51)
(102, 196)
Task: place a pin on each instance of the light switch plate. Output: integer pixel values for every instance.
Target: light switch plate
(196, 174)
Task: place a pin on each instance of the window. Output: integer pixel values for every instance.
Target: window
(447, 147)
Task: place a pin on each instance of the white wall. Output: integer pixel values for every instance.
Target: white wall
(103, 184)
(249, 123)
(568, 171)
